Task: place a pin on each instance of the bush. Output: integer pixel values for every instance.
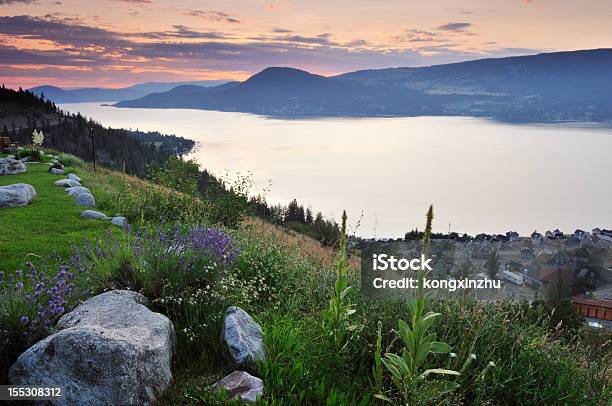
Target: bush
(70, 160)
(151, 204)
(34, 154)
(32, 301)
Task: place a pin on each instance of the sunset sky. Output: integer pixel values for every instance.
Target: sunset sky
(115, 43)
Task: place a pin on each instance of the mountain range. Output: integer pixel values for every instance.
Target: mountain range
(96, 94)
(573, 86)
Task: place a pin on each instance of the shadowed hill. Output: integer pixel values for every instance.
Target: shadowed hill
(573, 85)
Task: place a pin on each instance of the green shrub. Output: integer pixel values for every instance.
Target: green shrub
(70, 160)
(33, 154)
(148, 203)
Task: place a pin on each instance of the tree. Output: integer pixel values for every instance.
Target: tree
(309, 220)
(492, 264)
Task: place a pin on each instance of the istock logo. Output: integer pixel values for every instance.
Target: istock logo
(384, 262)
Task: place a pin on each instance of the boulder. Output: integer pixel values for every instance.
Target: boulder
(77, 190)
(241, 386)
(120, 221)
(66, 183)
(110, 350)
(17, 195)
(72, 176)
(10, 150)
(26, 159)
(91, 214)
(243, 337)
(10, 166)
(85, 199)
(55, 171)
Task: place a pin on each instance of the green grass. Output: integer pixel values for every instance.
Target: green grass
(51, 223)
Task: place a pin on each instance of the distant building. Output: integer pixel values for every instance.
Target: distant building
(526, 253)
(581, 235)
(596, 307)
(536, 238)
(512, 236)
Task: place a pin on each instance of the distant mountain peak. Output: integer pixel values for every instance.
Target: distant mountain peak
(278, 74)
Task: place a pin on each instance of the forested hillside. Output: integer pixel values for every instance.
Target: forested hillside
(21, 112)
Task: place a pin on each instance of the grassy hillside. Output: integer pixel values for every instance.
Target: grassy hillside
(326, 344)
(52, 223)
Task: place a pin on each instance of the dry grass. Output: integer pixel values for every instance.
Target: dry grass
(307, 247)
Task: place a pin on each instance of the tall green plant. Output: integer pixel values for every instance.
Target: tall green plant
(336, 316)
(411, 380)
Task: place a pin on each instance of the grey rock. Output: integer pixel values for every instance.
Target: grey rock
(25, 159)
(85, 199)
(91, 214)
(120, 221)
(243, 337)
(17, 195)
(10, 150)
(72, 176)
(77, 190)
(241, 386)
(10, 166)
(55, 171)
(110, 350)
(55, 161)
(66, 183)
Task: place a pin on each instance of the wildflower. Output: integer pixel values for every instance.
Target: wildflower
(19, 285)
(453, 355)
(473, 356)
(491, 363)
(24, 319)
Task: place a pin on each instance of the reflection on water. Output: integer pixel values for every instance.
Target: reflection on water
(481, 175)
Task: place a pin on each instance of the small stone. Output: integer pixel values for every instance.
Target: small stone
(241, 386)
(17, 195)
(91, 214)
(55, 171)
(66, 183)
(85, 199)
(120, 221)
(9, 166)
(243, 337)
(77, 190)
(72, 176)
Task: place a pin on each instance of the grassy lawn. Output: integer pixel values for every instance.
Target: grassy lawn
(50, 223)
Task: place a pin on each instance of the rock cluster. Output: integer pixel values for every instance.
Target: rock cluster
(84, 197)
(243, 338)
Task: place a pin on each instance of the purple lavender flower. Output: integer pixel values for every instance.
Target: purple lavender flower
(24, 319)
(19, 285)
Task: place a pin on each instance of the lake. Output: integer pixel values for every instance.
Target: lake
(480, 175)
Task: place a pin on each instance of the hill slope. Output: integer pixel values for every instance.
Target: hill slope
(545, 87)
(92, 94)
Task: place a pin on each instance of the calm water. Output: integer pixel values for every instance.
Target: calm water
(481, 175)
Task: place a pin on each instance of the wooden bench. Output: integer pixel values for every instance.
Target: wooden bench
(5, 142)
